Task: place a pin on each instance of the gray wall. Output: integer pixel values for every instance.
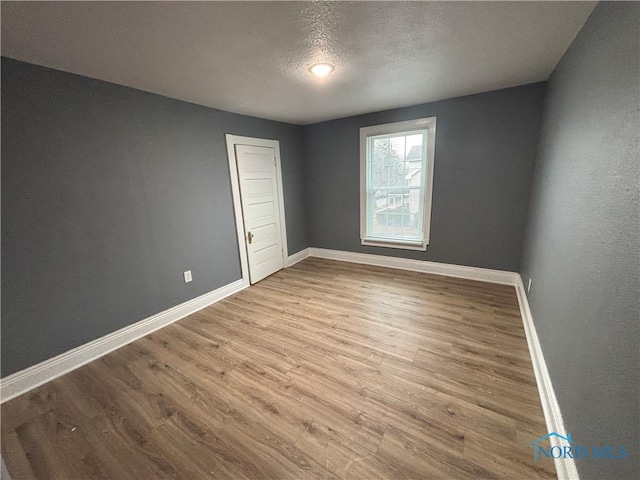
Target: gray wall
(582, 248)
(485, 153)
(108, 195)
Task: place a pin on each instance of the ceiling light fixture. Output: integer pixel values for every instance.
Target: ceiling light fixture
(321, 69)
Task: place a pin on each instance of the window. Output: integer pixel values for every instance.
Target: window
(396, 183)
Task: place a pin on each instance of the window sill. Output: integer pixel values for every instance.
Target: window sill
(399, 244)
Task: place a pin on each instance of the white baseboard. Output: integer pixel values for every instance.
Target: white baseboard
(449, 270)
(297, 257)
(21, 382)
(565, 468)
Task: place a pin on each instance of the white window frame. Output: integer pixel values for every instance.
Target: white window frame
(428, 124)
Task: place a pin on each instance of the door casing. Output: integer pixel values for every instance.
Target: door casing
(232, 141)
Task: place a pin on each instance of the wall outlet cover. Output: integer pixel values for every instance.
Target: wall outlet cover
(187, 276)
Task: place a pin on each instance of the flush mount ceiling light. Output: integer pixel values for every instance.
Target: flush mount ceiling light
(321, 69)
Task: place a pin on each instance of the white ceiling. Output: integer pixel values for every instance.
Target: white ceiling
(252, 57)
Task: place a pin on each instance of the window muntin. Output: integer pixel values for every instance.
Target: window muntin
(397, 170)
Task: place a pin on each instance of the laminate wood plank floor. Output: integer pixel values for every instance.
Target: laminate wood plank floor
(323, 370)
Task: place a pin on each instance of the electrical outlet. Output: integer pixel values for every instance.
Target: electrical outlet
(187, 276)
(529, 286)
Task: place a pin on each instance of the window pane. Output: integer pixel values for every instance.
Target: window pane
(395, 185)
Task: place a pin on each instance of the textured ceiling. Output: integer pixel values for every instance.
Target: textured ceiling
(252, 57)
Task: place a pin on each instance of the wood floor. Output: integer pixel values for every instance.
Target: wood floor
(323, 370)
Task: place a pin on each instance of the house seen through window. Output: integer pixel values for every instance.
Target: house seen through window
(396, 183)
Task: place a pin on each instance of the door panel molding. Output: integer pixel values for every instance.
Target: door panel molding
(232, 141)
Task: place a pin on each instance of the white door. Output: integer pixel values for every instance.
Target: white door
(261, 210)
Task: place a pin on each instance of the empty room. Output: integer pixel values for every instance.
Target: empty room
(339, 240)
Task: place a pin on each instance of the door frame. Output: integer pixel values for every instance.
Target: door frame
(232, 141)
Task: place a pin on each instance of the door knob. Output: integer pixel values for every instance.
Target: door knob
(250, 237)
